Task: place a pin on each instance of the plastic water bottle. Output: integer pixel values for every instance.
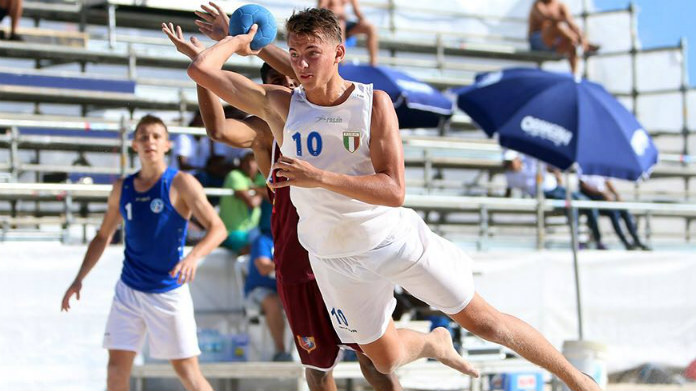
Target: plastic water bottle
(204, 344)
(211, 344)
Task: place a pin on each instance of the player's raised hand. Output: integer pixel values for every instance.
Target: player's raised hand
(298, 173)
(188, 48)
(245, 40)
(185, 269)
(74, 289)
(215, 23)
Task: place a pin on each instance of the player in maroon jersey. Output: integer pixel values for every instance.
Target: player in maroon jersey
(314, 335)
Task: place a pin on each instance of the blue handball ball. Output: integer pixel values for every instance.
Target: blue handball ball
(245, 16)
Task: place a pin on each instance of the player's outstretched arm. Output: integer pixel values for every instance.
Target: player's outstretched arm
(251, 132)
(278, 59)
(385, 187)
(191, 191)
(233, 132)
(215, 24)
(225, 130)
(237, 90)
(112, 218)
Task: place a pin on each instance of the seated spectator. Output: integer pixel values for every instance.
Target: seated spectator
(552, 29)
(600, 188)
(260, 290)
(241, 212)
(223, 158)
(520, 173)
(351, 28)
(190, 153)
(14, 9)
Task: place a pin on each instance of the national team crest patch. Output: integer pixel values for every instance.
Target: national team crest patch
(307, 343)
(351, 141)
(156, 205)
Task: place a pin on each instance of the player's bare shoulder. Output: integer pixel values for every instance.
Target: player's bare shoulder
(384, 123)
(380, 97)
(279, 98)
(382, 106)
(117, 185)
(184, 192)
(116, 190)
(185, 183)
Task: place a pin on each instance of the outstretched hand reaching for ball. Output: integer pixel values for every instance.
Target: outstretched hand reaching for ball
(189, 48)
(215, 24)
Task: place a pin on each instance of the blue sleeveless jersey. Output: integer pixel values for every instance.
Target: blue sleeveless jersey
(155, 235)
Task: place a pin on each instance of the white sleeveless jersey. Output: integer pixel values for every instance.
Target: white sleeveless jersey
(335, 139)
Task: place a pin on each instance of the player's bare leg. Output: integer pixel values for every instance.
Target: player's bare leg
(482, 319)
(377, 380)
(399, 347)
(273, 310)
(118, 370)
(190, 374)
(320, 380)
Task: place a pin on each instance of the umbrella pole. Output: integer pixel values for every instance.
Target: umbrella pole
(573, 216)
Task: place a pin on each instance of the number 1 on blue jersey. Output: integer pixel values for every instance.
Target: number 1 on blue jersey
(129, 211)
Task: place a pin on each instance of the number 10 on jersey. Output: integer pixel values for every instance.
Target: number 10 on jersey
(314, 143)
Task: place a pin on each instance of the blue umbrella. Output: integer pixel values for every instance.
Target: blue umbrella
(417, 104)
(560, 120)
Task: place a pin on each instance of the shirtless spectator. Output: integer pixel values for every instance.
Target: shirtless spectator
(552, 29)
(350, 28)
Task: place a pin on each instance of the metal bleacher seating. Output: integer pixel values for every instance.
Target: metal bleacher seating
(464, 205)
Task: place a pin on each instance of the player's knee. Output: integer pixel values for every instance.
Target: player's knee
(387, 367)
(187, 369)
(387, 362)
(117, 373)
(318, 380)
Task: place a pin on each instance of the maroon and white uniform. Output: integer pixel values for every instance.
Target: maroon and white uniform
(314, 335)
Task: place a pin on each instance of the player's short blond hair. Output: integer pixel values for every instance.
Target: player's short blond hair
(317, 22)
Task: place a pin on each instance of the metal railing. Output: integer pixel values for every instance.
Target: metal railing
(69, 194)
(421, 151)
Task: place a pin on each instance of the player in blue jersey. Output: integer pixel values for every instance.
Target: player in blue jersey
(151, 297)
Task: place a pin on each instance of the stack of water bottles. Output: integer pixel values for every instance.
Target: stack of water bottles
(216, 347)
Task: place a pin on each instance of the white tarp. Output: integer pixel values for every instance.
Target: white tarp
(661, 112)
(641, 305)
(611, 30)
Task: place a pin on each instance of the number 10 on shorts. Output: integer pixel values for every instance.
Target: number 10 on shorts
(340, 318)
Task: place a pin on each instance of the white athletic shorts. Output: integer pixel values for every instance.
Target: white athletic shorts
(165, 318)
(359, 290)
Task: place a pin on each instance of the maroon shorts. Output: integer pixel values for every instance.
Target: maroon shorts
(312, 330)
